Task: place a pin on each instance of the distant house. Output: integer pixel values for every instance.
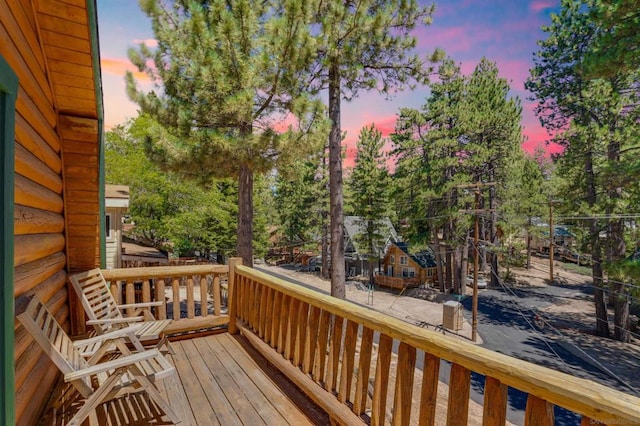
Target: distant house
(116, 204)
(401, 269)
(135, 254)
(562, 238)
(356, 255)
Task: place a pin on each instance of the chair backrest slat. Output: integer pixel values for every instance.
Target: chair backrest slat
(55, 342)
(96, 298)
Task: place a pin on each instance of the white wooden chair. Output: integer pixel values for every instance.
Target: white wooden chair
(105, 314)
(98, 382)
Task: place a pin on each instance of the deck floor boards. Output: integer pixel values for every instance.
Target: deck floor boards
(218, 383)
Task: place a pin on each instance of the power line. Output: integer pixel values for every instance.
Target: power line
(606, 370)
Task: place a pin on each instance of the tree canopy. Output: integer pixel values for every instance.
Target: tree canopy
(467, 132)
(616, 45)
(226, 74)
(167, 211)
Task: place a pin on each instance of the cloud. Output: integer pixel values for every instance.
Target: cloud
(453, 39)
(541, 5)
(149, 42)
(119, 66)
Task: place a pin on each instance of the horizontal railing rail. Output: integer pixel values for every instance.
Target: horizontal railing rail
(396, 282)
(193, 296)
(331, 342)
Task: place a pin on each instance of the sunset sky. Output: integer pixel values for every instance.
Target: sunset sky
(504, 31)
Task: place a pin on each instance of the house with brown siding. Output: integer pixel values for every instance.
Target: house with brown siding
(401, 269)
(51, 159)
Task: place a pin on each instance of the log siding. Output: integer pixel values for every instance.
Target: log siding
(51, 46)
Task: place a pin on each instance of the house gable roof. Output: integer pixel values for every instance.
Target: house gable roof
(356, 225)
(425, 259)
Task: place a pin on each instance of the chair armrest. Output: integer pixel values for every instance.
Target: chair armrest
(141, 305)
(112, 365)
(115, 320)
(116, 334)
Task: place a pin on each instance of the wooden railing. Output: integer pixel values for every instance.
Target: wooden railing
(326, 346)
(396, 282)
(193, 296)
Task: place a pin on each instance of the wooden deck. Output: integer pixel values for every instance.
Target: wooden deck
(221, 380)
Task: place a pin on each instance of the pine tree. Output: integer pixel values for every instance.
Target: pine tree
(617, 42)
(494, 134)
(525, 198)
(361, 45)
(428, 144)
(369, 182)
(224, 71)
(468, 131)
(300, 197)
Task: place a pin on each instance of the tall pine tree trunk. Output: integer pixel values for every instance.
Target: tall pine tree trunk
(602, 321)
(326, 238)
(621, 301)
(617, 249)
(464, 264)
(245, 214)
(439, 260)
(335, 184)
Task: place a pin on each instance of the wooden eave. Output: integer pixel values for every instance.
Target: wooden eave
(68, 33)
(66, 41)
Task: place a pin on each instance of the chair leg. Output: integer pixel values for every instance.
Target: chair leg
(97, 397)
(153, 392)
(165, 342)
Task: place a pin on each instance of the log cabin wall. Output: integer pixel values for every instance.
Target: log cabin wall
(51, 45)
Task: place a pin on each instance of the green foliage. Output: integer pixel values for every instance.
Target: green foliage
(596, 120)
(166, 210)
(369, 184)
(616, 45)
(300, 201)
(467, 131)
(427, 144)
(370, 42)
(225, 73)
(525, 196)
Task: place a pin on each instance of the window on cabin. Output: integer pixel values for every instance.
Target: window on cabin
(408, 272)
(109, 232)
(404, 260)
(392, 259)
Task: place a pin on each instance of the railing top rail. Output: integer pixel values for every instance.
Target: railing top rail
(162, 271)
(582, 396)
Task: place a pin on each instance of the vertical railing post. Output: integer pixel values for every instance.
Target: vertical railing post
(231, 282)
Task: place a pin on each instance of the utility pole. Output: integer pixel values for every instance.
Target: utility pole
(476, 261)
(551, 240)
(476, 254)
